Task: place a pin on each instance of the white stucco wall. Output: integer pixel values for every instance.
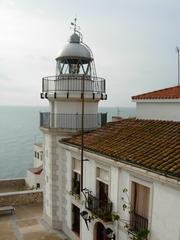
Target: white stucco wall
(32, 179)
(164, 209)
(90, 175)
(114, 184)
(165, 213)
(73, 107)
(38, 149)
(47, 175)
(68, 164)
(158, 110)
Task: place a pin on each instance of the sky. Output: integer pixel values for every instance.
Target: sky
(133, 43)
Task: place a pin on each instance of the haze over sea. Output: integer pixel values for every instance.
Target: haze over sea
(19, 130)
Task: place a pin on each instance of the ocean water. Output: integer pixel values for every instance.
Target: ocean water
(19, 129)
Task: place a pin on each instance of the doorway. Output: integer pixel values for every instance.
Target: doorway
(100, 232)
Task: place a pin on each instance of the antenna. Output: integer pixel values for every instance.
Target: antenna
(177, 49)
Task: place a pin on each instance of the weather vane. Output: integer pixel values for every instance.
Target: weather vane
(75, 25)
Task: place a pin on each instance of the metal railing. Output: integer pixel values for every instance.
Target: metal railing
(73, 83)
(100, 208)
(137, 223)
(72, 121)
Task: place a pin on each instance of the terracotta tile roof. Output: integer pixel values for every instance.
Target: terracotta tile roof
(36, 170)
(150, 144)
(166, 93)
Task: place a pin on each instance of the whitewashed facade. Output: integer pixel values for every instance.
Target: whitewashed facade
(34, 178)
(163, 104)
(168, 110)
(164, 196)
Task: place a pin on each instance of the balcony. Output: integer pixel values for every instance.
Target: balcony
(101, 209)
(72, 121)
(138, 224)
(73, 83)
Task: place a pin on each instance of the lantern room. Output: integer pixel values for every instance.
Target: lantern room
(75, 58)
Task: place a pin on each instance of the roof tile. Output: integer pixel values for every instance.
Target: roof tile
(166, 93)
(151, 144)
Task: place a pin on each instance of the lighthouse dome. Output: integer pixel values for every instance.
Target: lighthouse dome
(75, 50)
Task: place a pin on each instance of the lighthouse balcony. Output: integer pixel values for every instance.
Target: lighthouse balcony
(72, 84)
(72, 121)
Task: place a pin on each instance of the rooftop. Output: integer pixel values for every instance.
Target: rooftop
(166, 93)
(150, 144)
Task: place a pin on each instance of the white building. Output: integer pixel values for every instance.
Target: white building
(131, 168)
(34, 178)
(163, 104)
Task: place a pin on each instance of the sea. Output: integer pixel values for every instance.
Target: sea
(19, 130)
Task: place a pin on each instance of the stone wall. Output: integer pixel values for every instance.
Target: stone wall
(10, 183)
(21, 198)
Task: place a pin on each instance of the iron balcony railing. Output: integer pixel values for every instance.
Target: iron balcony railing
(72, 121)
(137, 223)
(100, 208)
(73, 83)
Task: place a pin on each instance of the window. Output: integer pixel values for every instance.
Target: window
(76, 177)
(140, 207)
(102, 184)
(75, 219)
(101, 191)
(100, 204)
(76, 183)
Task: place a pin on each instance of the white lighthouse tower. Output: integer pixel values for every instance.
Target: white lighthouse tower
(73, 95)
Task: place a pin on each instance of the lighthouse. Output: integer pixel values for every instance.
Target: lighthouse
(73, 95)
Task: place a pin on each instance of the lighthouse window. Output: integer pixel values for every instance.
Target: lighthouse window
(74, 68)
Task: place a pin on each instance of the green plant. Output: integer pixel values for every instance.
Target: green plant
(141, 234)
(93, 217)
(124, 207)
(115, 217)
(125, 190)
